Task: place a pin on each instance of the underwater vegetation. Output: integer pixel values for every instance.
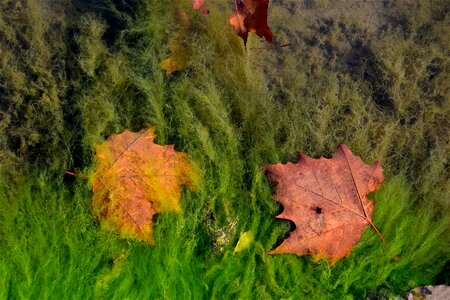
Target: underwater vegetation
(373, 75)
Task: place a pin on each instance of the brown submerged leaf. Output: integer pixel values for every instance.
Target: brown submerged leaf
(136, 179)
(327, 201)
(180, 50)
(178, 60)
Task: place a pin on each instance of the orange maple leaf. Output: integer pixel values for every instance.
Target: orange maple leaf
(251, 16)
(136, 179)
(327, 200)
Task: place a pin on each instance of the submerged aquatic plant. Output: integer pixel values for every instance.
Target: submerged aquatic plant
(375, 78)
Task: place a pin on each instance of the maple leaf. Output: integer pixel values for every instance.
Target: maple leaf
(327, 201)
(251, 16)
(136, 179)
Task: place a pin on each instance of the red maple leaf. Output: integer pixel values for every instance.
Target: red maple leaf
(251, 16)
(327, 200)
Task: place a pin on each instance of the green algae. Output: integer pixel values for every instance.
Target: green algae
(67, 82)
